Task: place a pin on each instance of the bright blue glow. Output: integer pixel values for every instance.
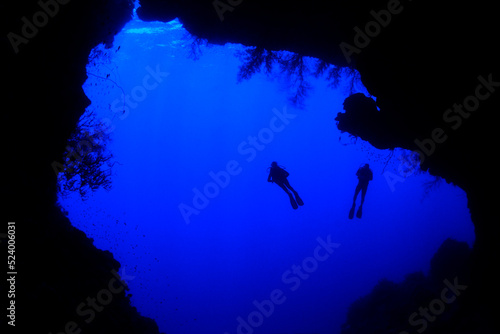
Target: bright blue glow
(178, 127)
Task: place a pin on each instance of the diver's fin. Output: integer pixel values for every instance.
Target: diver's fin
(292, 202)
(360, 212)
(298, 199)
(351, 212)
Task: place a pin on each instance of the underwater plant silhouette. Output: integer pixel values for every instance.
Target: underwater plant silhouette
(88, 167)
(295, 67)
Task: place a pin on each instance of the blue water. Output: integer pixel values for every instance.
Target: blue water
(240, 259)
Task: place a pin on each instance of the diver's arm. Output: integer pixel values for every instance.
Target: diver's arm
(269, 178)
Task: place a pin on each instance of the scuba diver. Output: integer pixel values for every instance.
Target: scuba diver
(364, 175)
(279, 176)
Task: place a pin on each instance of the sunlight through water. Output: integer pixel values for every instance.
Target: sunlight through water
(208, 244)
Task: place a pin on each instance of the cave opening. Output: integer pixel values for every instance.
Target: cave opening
(181, 140)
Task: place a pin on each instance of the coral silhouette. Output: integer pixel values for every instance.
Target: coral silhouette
(87, 166)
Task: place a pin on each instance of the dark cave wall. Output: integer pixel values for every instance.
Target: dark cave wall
(58, 266)
(436, 303)
(426, 59)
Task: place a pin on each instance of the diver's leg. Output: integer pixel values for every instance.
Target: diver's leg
(297, 197)
(286, 183)
(292, 200)
(363, 192)
(356, 192)
(282, 186)
(353, 207)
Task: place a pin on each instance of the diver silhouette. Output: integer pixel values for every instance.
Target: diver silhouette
(364, 175)
(279, 176)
